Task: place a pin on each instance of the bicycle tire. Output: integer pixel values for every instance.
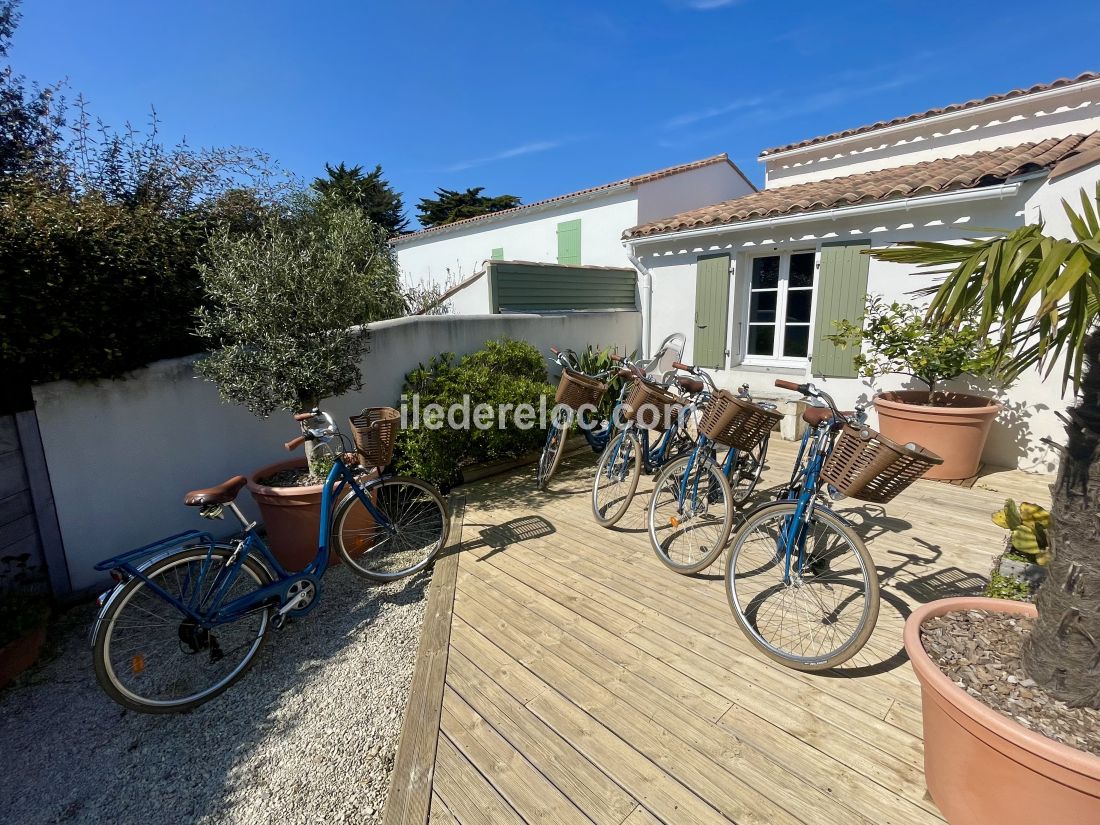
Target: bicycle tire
(614, 451)
(715, 522)
(865, 626)
(364, 533)
(105, 673)
(550, 458)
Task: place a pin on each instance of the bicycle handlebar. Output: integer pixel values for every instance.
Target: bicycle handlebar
(810, 390)
(295, 443)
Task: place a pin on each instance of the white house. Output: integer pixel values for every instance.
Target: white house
(579, 229)
(756, 281)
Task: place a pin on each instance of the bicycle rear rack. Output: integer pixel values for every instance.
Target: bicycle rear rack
(127, 560)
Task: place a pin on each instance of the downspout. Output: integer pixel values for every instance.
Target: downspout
(646, 290)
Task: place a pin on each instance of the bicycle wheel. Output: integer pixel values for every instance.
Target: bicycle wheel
(746, 470)
(414, 528)
(826, 611)
(689, 523)
(552, 451)
(617, 475)
(150, 657)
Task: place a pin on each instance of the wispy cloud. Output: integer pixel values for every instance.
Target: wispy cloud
(690, 118)
(778, 105)
(707, 5)
(506, 154)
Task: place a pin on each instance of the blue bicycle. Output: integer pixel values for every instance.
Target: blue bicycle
(648, 407)
(581, 393)
(695, 497)
(189, 614)
(800, 582)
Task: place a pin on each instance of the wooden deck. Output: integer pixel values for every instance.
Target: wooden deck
(582, 681)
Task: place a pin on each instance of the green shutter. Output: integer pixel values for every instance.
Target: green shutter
(841, 294)
(498, 253)
(569, 242)
(712, 293)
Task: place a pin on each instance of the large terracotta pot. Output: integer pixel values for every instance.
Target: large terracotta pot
(983, 768)
(291, 516)
(956, 428)
(19, 654)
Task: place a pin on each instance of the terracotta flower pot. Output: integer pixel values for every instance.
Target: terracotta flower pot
(983, 768)
(19, 654)
(291, 515)
(956, 428)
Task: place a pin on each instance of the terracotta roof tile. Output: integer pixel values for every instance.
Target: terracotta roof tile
(634, 181)
(940, 175)
(943, 110)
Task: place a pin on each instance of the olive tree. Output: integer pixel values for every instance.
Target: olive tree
(283, 305)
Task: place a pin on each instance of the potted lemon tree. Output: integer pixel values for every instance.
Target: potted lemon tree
(1025, 747)
(281, 316)
(898, 338)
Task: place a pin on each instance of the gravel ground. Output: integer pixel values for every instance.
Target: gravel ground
(308, 735)
(980, 652)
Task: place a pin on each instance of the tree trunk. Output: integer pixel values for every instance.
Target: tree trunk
(1063, 652)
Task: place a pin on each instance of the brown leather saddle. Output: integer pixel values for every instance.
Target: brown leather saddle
(819, 415)
(218, 494)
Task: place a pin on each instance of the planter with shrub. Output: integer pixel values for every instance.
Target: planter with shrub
(897, 338)
(23, 620)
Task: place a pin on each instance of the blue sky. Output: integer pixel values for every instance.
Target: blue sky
(536, 98)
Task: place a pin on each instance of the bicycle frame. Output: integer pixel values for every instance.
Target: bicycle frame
(703, 447)
(208, 611)
(805, 478)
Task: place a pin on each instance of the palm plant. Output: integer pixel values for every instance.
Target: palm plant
(1040, 295)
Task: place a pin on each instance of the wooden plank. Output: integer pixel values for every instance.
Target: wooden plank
(465, 793)
(9, 436)
(409, 797)
(45, 509)
(13, 479)
(604, 802)
(687, 747)
(440, 814)
(521, 784)
(15, 506)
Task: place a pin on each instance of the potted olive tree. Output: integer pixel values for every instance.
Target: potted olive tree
(281, 317)
(897, 338)
(1026, 748)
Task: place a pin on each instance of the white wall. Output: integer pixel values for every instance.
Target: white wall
(452, 255)
(122, 453)
(706, 185)
(1031, 401)
(1075, 109)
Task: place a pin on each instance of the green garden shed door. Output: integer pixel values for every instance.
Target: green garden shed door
(712, 294)
(841, 294)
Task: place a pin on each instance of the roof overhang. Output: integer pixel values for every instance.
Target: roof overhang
(494, 218)
(982, 193)
(931, 120)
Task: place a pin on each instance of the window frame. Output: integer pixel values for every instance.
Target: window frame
(782, 294)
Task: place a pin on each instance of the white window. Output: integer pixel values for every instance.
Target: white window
(781, 291)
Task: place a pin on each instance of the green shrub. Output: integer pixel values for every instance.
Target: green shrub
(505, 372)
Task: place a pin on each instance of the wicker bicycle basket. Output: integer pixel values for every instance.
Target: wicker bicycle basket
(577, 389)
(651, 405)
(375, 431)
(866, 465)
(742, 424)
